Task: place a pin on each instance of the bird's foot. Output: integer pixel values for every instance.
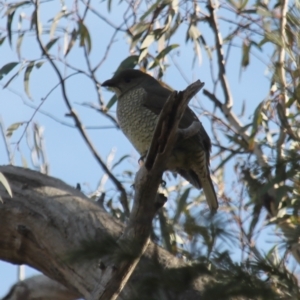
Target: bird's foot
(141, 160)
(160, 200)
(163, 183)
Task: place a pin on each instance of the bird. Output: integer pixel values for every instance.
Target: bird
(140, 100)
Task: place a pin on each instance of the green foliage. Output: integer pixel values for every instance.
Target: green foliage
(10, 130)
(85, 39)
(7, 68)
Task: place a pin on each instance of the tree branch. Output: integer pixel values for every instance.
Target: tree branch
(47, 220)
(220, 54)
(73, 114)
(226, 107)
(137, 232)
(40, 287)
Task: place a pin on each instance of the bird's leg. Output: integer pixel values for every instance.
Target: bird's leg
(160, 200)
(163, 183)
(185, 133)
(141, 160)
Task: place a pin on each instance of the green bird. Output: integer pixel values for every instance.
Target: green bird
(140, 101)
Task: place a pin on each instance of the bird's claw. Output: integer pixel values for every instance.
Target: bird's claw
(160, 200)
(142, 160)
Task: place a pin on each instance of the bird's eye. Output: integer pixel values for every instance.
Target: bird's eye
(127, 79)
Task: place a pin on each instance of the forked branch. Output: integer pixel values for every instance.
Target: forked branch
(137, 232)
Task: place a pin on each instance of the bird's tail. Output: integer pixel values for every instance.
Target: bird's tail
(210, 194)
(204, 183)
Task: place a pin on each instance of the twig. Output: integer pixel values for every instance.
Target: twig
(7, 145)
(27, 124)
(280, 169)
(179, 69)
(108, 47)
(102, 17)
(86, 9)
(73, 114)
(110, 117)
(53, 117)
(286, 227)
(237, 125)
(219, 48)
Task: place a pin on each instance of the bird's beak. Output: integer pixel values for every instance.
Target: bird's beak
(108, 83)
(111, 85)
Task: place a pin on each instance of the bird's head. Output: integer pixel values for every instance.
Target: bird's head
(128, 79)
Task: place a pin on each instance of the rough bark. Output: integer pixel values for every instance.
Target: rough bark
(46, 219)
(135, 238)
(40, 287)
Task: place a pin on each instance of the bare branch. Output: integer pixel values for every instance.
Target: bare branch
(280, 170)
(220, 53)
(73, 114)
(53, 117)
(237, 125)
(146, 203)
(6, 142)
(107, 21)
(42, 288)
(49, 219)
(104, 113)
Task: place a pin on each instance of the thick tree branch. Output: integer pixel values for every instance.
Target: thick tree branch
(148, 178)
(166, 131)
(40, 287)
(47, 219)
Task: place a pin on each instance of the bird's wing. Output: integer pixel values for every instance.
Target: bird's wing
(155, 98)
(191, 177)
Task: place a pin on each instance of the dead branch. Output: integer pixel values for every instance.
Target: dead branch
(47, 219)
(148, 178)
(40, 287)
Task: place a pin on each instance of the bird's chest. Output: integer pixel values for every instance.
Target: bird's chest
(136, 121)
